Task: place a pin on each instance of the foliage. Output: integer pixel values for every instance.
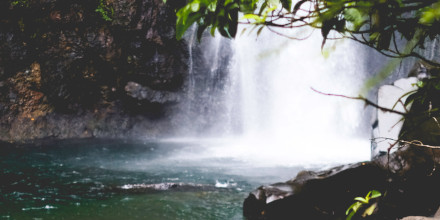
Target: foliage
(20, 3)
(386, 25)
(105, 10)
(360, 202)
(221, 15)
(422, 121)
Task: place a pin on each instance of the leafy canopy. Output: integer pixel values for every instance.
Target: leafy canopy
(395, 28)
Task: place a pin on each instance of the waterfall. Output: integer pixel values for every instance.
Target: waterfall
(205, 111)
(268, 104)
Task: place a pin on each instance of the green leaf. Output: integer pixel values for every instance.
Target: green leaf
(327, 26)
(298, 6)
(273, 3)
(259, 30)
(350, 216)
(369, 210)
(354, 16)
(340, 25)
(402, 96)
(213, 30)
(105, 10)
(184, 23)
(430, 14)
(354, 207)
(242, 31)
(368, 195)
(350, 208)
(248, 6)
(233, 23)
(437, 86)
(253, 28)
(427, 18)
(375, 194)
(200, 29)
(251, 16)
(263, 7)
(195, 6)
(360, 199)
(287, 4)
(374, 36)
(212, 6)
(384, 40)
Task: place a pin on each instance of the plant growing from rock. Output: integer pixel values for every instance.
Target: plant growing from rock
(105, 10)
(20, 3)
(361, 202)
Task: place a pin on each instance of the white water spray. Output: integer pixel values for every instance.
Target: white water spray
(283, 120)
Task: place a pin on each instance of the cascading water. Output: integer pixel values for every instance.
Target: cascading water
(205, 111)
(278, 119)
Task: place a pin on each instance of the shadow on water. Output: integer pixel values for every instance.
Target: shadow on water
(114, 179)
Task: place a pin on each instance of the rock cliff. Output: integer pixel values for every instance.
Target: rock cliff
(88, 68)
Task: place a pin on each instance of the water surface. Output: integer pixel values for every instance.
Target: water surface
(108, 179)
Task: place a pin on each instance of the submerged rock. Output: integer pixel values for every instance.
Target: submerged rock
(408, 183)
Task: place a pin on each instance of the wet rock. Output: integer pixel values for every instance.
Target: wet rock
(317, 195)
(63, 64)
(419, 218)
(435, 217)
(140, 92)
(409, 185)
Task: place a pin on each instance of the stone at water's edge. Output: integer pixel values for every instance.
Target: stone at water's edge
(410, 187)
(315, 195)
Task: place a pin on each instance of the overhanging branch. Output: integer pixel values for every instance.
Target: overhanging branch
(366, 101)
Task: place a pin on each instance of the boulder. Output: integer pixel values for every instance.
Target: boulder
(435, 217)
(408, 181)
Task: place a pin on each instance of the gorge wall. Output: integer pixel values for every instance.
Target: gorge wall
(66, 71)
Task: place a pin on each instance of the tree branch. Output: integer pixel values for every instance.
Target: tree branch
(413, 142)
(367, 102)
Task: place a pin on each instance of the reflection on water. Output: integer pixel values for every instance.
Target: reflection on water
(97, 179)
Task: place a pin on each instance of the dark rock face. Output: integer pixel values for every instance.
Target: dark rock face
(64, 70)
(409, 185)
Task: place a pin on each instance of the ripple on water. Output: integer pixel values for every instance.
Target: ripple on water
(47, 207)
(225, 183)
